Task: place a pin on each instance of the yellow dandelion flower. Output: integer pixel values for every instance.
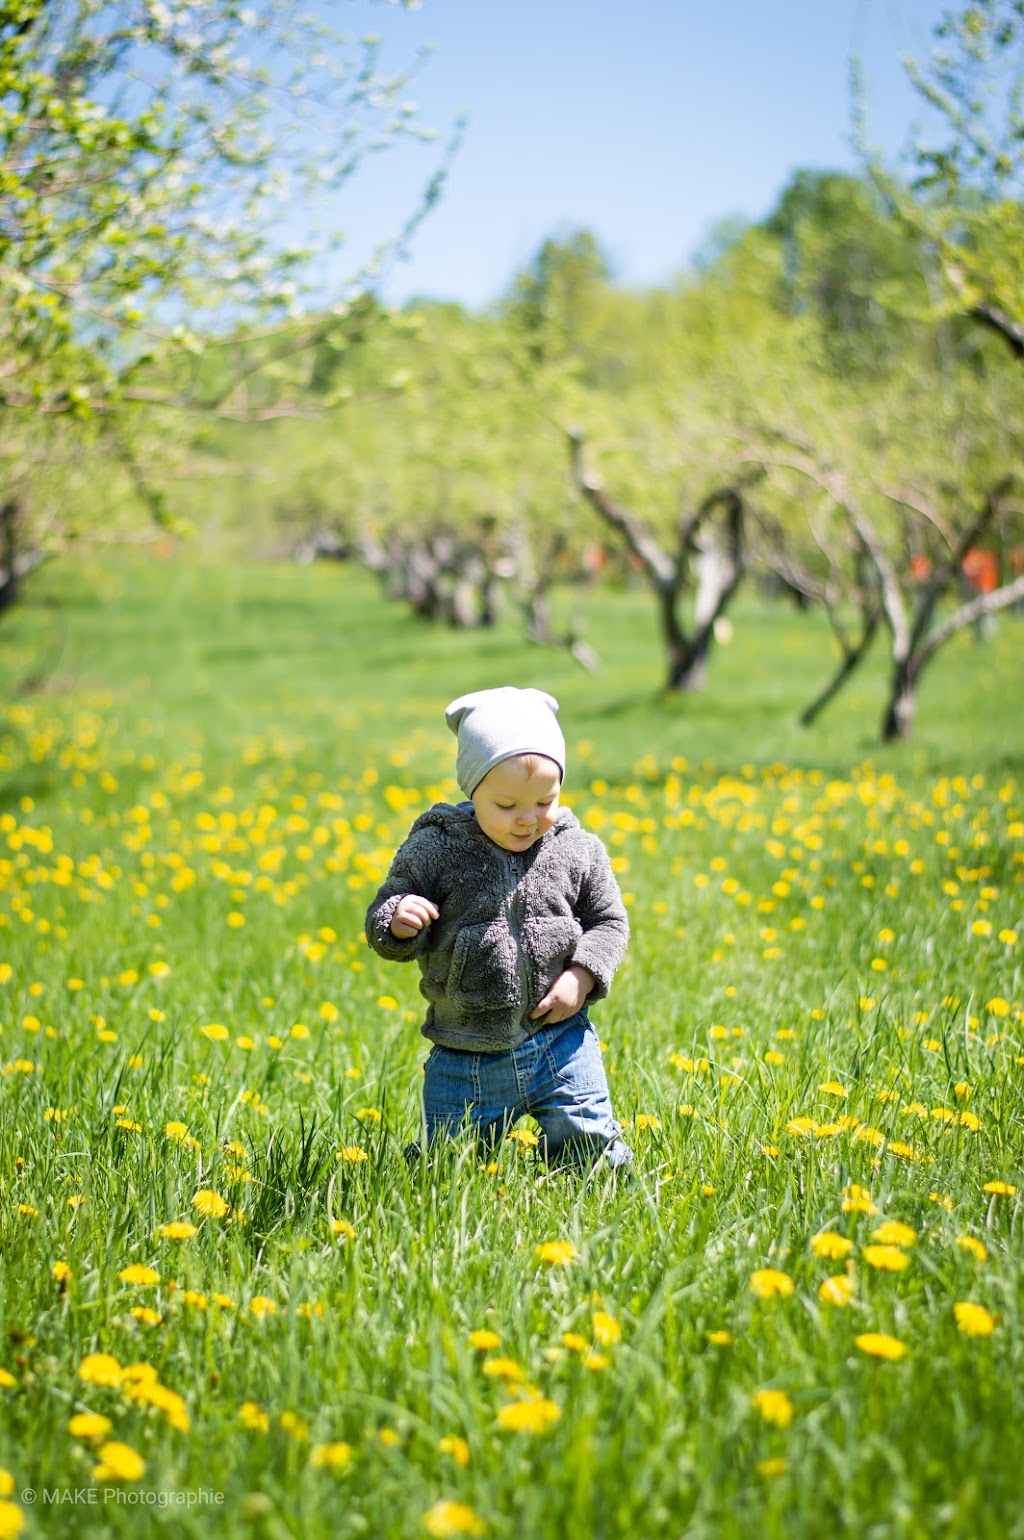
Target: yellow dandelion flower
(330, 1456)
(139, 1273)
(504, 1369)
(575, 1342)
(802, 1126)
(352, 1154)
(774, 1466)
(829, 1244)
(7, 1380)
(973, 1320)
(343, 1229)
(607, 1330)
(767, 1282)
(177, 1230)
(167, 1401)
(720, 1338)
(977, 1248)
(262, 1305)
(895, 1233)
(118, 1462)
(1000, 1189)
(878, 1344)
(838, 1290)
(447, 1520)
(532, 1416)
(12, 1520)
(135, 1377)
(89, 1425)
(253, 1417)
(483, 1339)
(556, 1253)
(61, 1271)
(100, 1369)
(888, 1259)
(145, 1316)
(856, 1200)
(775, 1407)
(647, 1120)
(216, 1031)
(457, 1447)
(193, 1297)
(210, 1203)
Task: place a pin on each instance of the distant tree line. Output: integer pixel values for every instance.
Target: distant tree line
(827, 402)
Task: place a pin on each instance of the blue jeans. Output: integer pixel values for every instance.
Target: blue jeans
(557, 1076)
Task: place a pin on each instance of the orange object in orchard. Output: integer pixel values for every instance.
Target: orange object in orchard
(981, 569)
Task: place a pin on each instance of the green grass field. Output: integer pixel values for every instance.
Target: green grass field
(227, 1301)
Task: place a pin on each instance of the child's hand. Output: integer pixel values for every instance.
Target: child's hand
(411, 915)
(565, 996)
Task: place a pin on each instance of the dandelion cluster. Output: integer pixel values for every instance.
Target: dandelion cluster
(224, 1263)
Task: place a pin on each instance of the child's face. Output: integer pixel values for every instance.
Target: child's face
(517, 802)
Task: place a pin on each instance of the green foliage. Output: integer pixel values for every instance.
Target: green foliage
(146, 155)
(965, 201)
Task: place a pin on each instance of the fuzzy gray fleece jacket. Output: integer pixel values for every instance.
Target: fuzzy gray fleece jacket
(509, 924)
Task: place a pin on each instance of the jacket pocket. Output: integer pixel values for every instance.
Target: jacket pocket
(550, 942)
(483, 974)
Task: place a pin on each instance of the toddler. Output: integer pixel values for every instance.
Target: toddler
(515, 918)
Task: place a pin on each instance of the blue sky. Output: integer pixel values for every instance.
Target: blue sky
(646, 121)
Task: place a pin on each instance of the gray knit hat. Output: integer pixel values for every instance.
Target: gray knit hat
(492, 725)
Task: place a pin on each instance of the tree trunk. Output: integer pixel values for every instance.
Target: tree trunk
(852, 657)
(899, 712)
(687, 662)
(689, 665)
(9, 575)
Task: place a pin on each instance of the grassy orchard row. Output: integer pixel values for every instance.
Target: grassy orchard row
(217, 1271)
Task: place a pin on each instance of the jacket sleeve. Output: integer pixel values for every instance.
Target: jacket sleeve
(413, 870)
(602, 915)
